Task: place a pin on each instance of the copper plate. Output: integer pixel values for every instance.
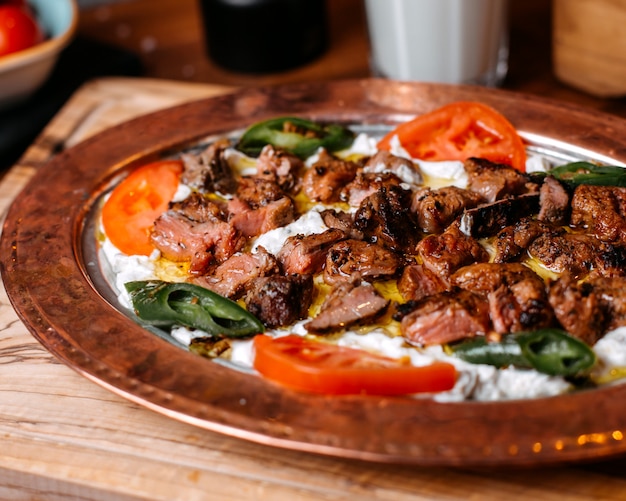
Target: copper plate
(49, 275)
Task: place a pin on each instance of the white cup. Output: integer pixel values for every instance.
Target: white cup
(449, 41)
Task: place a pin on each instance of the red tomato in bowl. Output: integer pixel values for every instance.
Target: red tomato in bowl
(18, 29)
(459, 131)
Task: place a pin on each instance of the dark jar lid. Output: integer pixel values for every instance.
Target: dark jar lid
(263, 36)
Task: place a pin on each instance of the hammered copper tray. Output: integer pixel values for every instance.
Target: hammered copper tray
(52, 278)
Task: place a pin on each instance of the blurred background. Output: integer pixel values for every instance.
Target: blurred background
(166, 39)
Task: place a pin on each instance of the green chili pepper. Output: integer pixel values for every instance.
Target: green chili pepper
(165, 305)
(550, 351)
(576, 173)
(297, 135)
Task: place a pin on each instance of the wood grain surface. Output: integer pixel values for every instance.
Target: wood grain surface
(66, 438)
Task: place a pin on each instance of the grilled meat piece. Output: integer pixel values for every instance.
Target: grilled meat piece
(278, 300)
(343, 221)
(488, 219)
(208, 171)
(353, 260)
(366, 184)
(384, 217)
(232, 277)
(194, 231)
(326, 178)
(436, 209)
(554, 203)
(600, 210)
(307, 253)
(444, 318)
(517, 295)
(406, 170)
(251, 223)
(418, 282)
(257, 192)
(494, 181)
(280, 167)
(511, 242)
(574, 253)
(578, 308)
(348, 305)
(445, 253)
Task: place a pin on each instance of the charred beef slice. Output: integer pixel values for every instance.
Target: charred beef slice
(208, 171)
(354, 260)
(554, 202)
(326, 178)
(348, 305)
(280, 167)
(444, 318)
(513, 241)
(385, 218)
(232, 278)
(436, 209)
(195, 230)
(488, 219)
(600, 210)
(278, 300)
(445, 253)
(307, 253)
(493, 181)
(516, 295)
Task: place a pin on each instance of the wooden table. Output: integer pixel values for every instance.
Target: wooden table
(66, 438)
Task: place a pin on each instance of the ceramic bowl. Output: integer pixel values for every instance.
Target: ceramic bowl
(23, 72)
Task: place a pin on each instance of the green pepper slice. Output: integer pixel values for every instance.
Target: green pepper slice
(549, 351)
(165, 304)
(297, 135)
(576, 173)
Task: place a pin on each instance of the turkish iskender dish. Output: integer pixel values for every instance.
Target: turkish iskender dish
(441, 260)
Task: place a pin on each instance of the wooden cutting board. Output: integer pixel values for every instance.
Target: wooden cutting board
(63, 437)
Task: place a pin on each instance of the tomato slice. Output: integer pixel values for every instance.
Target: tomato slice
(319, 367)
(459, 131)
(134, 205)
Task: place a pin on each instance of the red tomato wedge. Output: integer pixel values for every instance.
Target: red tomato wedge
(130, 211)
(459, 131)
(318, 367)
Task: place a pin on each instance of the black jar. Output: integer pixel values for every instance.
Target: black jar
(264, 36)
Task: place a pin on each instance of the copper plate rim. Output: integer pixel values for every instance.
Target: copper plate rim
(46, 275)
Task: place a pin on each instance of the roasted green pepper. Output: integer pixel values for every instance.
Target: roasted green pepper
(576, 173)
(297, 135)
(165, 305)
(550, 351)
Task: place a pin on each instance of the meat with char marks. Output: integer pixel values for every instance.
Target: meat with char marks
(326, 178)
(512, 242)
(279, 300)
(346, 306)
(307, 253)
(208, 171)
(232, 277)
(600, 210)
(577, 254)
(436, 209)
(280, 167)
(516, 295)
(445, 253)
(418, 282)
(493, 181)
(385, 218)
(554, 202)
(353, 260)
(194, 230)
(444, 318)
